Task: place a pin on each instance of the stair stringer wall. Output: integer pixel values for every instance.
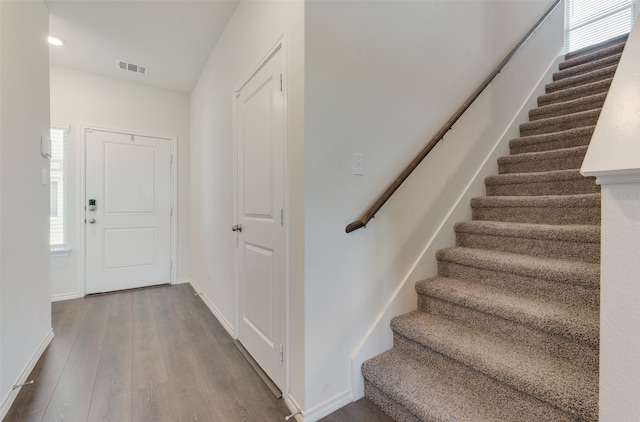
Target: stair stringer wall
(545, 47)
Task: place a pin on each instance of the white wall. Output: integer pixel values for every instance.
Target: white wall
(253, 30)
(25, 310)
(2, 404)
(614, 158)
(81, 98)
(381, 78)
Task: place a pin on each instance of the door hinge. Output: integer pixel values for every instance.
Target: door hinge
(171, 159)
(281, 353)
(171, 265)
(281, 217)
(281, 82)
(171, 212)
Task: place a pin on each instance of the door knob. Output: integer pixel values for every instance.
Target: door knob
(92, 220)
(237, 228)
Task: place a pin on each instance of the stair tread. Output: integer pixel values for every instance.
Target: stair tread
(583, 233)
(572, 272)
(586, 67)
(550, 379)
(575, 92)
(559, 120)
(548, 209)
(552, 317)
(569, 241)
(546, 201)
(552, 136)
(594, 75)
(430, 393)
(584, 103)
(544, 176)
(543, 155)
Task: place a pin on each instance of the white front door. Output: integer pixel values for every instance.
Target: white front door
(127, 211)
(260, 201)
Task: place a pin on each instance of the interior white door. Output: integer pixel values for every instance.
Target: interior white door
(128, 211)
(260, 202)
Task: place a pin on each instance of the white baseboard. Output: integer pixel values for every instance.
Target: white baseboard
(294, 407)
(65, 296)
(227, 326)
(11, 395)
(328, 406)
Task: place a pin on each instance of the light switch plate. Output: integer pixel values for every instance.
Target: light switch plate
(358, 164)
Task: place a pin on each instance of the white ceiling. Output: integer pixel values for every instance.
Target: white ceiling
(172, 38)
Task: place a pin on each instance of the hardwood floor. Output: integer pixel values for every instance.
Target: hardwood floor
(362, 410)
(154, 354)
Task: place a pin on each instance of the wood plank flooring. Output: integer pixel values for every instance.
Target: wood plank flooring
(362, 410)
(154, 354)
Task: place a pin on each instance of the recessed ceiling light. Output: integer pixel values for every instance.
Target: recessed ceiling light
(55, 41)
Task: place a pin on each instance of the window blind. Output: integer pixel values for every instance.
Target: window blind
(57, 183)
(588, 22)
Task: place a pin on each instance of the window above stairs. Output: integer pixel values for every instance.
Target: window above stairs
(589, 22)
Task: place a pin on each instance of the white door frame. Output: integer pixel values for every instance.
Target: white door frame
(279, 45)
(82, 200)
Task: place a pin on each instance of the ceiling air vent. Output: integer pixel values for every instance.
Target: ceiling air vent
(130, 67)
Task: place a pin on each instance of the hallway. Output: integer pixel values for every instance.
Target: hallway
(151, 354)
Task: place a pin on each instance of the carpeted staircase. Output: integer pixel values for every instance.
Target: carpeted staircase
(509, 329)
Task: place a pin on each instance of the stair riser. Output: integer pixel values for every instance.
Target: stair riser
(389, 406)
(542, 215)
(588, 252)
(574, 350)
(564, 108)
(588, 78)
(527, 286)
(573, 121)
(587, 67)
(559, 187)
(574, 93)
(567, 162)
(525, 407)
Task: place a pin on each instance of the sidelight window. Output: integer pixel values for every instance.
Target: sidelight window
(57, 183)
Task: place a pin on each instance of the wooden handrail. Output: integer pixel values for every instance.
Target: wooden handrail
(370, 212)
